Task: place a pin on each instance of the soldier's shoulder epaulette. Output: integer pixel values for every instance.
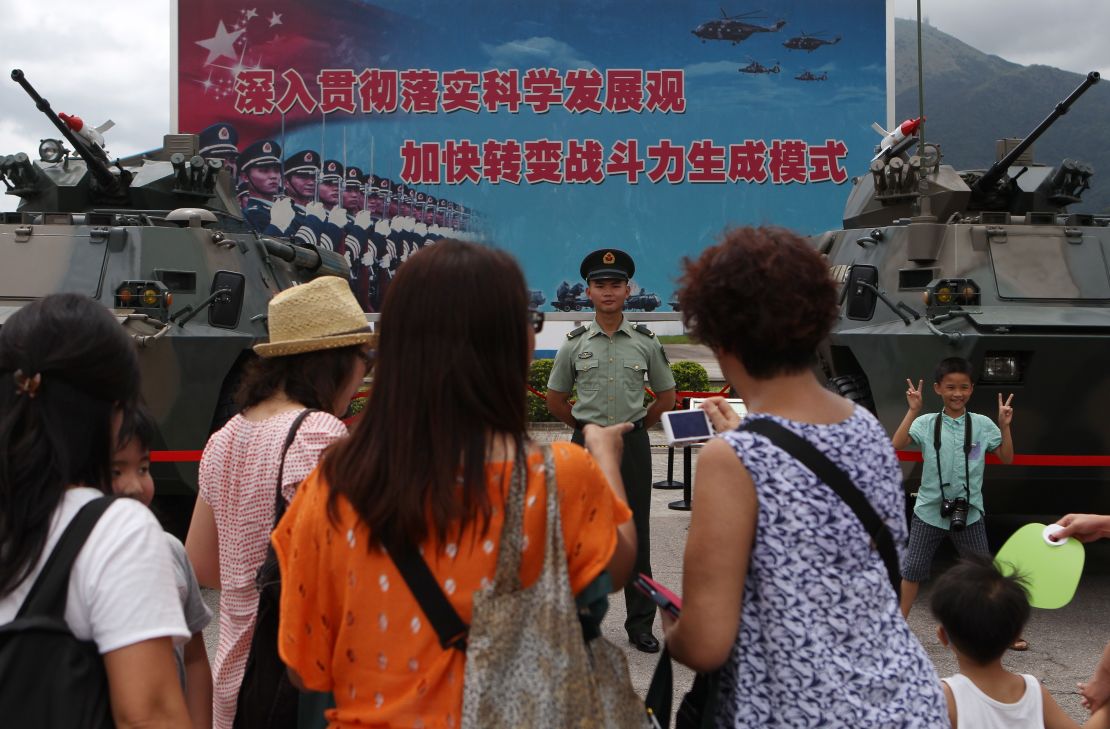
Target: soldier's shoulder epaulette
(576, 332)
(642, 329)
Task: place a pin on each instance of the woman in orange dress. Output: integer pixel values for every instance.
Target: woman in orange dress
(429, 467)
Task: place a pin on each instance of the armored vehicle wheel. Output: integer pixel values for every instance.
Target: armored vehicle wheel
(854, 388)
(578, 307)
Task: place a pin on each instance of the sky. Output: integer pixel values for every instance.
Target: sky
(111, 59)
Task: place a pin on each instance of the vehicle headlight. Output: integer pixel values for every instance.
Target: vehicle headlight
(1001, 368)
(51, 150)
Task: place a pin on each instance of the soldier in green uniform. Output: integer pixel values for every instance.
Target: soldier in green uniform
(607, 359)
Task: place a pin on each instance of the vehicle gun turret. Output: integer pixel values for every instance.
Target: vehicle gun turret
(162, 180)
(906, 182)
(159, 240)
(994, 190)
(109, 184)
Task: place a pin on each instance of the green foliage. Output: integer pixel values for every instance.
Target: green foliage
(358, 403)
(538, 373)
(690, 376)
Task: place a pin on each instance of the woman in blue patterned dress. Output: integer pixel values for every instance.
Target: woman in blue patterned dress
(782, 589)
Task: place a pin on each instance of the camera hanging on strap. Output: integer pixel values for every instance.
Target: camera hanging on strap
(956, 510)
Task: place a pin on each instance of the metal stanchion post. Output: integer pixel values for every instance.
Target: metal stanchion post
(687, 468)
(669, 482)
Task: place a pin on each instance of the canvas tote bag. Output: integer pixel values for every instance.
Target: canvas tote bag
(527, 664)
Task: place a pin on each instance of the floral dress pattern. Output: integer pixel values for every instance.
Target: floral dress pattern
(822, 642)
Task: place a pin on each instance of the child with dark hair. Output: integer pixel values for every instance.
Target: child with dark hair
(950, 498)
(131, 478)
(981, 612)
(68, 371)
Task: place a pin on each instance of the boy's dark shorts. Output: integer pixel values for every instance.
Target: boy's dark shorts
(925, 538)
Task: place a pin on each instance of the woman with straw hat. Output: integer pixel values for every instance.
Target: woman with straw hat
(318, 354)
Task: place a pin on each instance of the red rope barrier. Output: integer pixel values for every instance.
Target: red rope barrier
(904, 456)
(175, 456)
(1032, 459)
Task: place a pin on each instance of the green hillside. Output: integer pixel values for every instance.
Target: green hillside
(972, 99)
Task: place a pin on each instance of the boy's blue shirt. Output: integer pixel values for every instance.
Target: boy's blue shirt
(985, 437)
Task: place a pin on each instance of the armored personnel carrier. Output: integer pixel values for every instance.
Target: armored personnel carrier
(991, 266)
(160, 241)
(642, 301)
(570, 297)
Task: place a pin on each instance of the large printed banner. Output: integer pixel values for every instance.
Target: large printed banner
(547, 129)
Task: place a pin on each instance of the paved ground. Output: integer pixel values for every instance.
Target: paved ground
(1065, 644)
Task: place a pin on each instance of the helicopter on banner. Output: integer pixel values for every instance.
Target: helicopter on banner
(808, 75)
(756, 67)
(809, 42)
(735, 28)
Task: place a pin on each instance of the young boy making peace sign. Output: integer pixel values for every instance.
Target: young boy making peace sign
(954, 443)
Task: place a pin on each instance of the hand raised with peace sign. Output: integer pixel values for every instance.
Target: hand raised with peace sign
(913, 396)
(1005, 412)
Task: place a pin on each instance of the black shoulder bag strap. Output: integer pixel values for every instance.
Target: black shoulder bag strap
(279, 503)
(808, 455)
(967, 452)
(266, 698)
(697, 708)
(48, 595)
(450, 628)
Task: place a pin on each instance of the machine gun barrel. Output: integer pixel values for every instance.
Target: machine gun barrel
(100, 171)
(315, 260)
(994, 174)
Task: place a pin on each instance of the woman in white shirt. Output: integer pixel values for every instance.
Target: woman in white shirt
(67, 372)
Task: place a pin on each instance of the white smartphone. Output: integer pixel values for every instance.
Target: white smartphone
(736, 404)
(687, 426)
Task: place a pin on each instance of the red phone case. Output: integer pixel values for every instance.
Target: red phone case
(674, 599)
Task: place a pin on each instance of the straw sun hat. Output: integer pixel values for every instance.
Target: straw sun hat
(321, 314)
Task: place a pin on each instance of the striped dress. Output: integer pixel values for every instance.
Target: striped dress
(238, 479)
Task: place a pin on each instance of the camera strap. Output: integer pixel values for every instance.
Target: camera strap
(967, 452)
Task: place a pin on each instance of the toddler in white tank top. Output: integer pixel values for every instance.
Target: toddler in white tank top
(981, 612)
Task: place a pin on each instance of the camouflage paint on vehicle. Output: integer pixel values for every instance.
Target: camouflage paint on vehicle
(990, 266)
(160, 240)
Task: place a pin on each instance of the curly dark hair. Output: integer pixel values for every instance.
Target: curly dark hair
(763, 295)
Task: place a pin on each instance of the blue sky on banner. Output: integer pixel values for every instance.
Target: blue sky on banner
(551, 226)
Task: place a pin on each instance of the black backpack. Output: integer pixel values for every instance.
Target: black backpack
(267, 699)
(49, 678)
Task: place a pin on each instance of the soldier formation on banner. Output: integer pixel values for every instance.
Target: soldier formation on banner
(375, 223)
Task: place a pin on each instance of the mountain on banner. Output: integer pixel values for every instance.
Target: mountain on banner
(972, 99)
